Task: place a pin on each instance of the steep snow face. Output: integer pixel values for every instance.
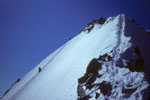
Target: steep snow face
(119, 70)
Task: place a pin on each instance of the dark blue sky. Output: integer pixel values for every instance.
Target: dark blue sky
(30, 30)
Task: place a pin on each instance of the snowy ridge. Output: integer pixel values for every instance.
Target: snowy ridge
(120, 83)
(105, 61)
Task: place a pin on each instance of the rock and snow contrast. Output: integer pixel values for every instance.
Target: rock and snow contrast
(108, 60)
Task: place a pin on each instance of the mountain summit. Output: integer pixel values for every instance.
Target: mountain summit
(108, 60)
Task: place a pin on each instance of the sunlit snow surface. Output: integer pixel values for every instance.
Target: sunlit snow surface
(58, 79)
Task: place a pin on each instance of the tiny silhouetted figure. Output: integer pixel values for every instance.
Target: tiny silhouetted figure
(17, 80)
(40, 69)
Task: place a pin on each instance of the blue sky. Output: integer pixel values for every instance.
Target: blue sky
(30, 30)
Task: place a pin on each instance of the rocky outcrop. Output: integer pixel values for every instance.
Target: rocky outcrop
(90, 26)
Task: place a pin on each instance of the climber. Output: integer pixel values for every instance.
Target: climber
(40, 69)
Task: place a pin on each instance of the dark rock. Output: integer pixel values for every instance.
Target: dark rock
(90, 25)
(137, 51)
(88, 78)
(101, 20)
(105, 88)
(137, 64)
(97, 95)
(105, 58)
(124, 90)
(109, 58)
(91, 79)
(85, 98)
(83, 79)
(80, 91)
(93, 67)
(128, 92)
(132, 20)
(148, 32)
(99, 75)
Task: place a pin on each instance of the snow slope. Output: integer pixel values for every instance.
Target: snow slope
(58, 80)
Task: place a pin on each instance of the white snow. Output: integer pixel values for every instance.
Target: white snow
(58, 79)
